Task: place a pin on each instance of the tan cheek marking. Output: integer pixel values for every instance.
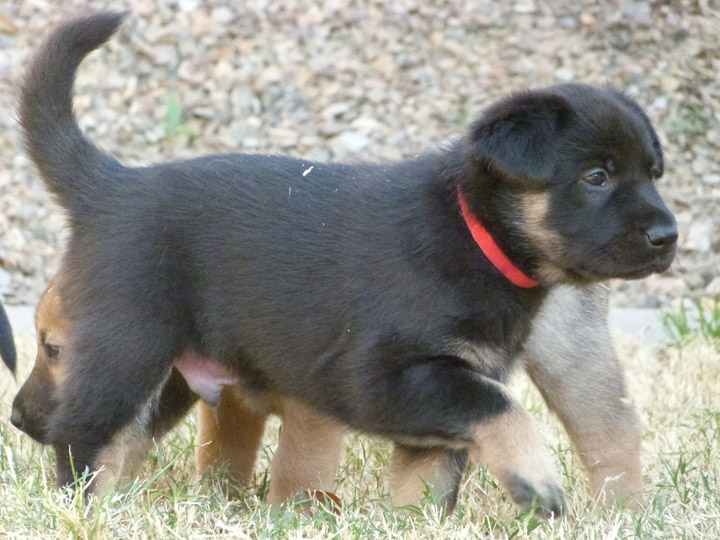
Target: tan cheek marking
(535, 207)
(57, 371)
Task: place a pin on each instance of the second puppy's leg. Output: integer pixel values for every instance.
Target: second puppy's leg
(230, 434)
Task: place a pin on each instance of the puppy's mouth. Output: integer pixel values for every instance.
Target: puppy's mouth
(34, 424)
(36, 430)
(621, 268)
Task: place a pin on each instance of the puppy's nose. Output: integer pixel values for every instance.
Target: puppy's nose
(662, 236)
(17, 416)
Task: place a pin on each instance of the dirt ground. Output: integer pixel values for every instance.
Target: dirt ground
(364, 80)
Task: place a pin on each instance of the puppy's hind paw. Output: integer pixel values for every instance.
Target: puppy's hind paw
(545, 501)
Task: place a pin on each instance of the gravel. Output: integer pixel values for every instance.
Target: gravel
(364, 80)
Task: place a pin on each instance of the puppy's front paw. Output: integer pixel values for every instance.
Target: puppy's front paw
(545, 498)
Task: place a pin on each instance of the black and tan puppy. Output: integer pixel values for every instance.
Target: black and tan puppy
(37, 400)
(7, 344)
(392, 298)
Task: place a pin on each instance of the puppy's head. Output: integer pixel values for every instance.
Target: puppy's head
(572, 169)
(36, 400)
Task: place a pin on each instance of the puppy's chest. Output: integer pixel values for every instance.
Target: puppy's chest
(490, 345)
(494, 361)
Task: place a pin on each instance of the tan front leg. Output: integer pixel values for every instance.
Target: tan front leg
(229, 434)
(505, 440)
(308, 452)
(514, 453)
(571, 360)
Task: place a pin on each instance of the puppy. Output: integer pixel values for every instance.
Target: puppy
(37, 399)
(7, 345)
(394, 299)
(229, 434)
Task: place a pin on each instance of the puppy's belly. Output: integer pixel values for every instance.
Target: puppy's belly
(205, 376)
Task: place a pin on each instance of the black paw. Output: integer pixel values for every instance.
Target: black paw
(546, 501)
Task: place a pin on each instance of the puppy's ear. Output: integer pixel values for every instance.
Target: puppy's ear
(518, 137)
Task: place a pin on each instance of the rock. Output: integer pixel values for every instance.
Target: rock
(699, 236)
(564, 74)
(188, 5)
(638, 13)
(354, 141)
(222, 15)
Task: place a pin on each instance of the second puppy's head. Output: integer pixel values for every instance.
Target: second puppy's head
(36, 400)
(566, 175)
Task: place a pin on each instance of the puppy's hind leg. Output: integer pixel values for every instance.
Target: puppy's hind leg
(415, 470)
(230, 434)
(308, 452)
(116, 377)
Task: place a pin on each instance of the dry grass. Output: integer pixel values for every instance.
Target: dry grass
(676, 391)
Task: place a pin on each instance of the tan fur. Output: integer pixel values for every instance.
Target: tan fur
(308, 452)
(576, 370)
(413, 473)
(482, 357)
(510, 446)
(51, 329)
(573, 365)
(229, 434)
(121, 459)
(535, 209)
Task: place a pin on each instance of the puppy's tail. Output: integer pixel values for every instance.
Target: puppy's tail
(72, 166)
(7, 345)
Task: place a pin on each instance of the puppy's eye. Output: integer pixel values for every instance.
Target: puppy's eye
(52, 352)
(596, 177)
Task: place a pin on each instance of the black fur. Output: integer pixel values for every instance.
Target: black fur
(343, 286)
(7, 345)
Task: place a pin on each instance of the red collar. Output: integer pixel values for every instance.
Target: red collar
(491, 249)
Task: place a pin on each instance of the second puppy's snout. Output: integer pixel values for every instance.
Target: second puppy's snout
(18, 414)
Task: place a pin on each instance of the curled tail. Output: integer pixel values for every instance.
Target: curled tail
(71, 165)
(7, 346)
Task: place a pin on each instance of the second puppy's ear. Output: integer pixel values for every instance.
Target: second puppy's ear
(518, 137)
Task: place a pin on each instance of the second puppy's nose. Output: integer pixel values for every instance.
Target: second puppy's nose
(662, 236)
(17, 416)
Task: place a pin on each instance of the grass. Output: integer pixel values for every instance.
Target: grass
(675, 389)
(693, 317)
(174, 126)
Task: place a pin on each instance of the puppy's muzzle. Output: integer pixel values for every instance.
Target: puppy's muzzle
(18, 415)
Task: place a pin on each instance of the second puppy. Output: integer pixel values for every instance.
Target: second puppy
(229, 434)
